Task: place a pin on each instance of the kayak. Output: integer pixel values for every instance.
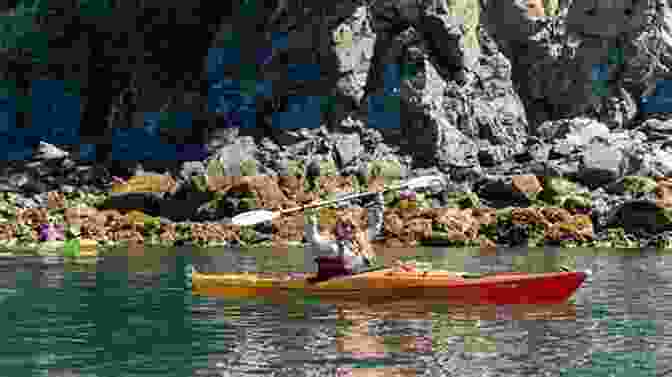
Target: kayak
(497, 288)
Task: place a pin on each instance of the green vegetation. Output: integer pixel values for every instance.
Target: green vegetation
(536, 235)
(296, 168)
(247, 235)
(556, 187)
(342, 37)
(248, 201)
(463, 200)
(575, 200)
(469, 11)
(551, 7)
(637, 184)
(390, 169)
(200, 182)
(248, 168)
(328, 168)
(215, 168)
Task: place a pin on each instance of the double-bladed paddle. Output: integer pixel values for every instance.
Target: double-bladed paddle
(262, 215)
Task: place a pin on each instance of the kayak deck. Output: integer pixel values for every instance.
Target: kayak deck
(498, 288)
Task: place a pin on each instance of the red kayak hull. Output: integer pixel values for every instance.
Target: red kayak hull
(448, 287)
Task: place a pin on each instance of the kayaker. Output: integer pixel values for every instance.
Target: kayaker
(338, 257)
(334, 257)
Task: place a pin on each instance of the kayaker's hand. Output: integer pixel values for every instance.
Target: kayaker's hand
(406, 267)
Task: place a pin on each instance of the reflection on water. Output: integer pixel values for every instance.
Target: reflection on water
(136, 316)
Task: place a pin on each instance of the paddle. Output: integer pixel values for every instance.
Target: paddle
(262, 215)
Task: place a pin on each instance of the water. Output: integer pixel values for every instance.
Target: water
(135, 316)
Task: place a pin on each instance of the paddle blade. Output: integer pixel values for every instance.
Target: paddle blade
(252, 217)
(426, 182)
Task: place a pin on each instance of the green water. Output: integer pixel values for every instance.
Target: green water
(126, 315)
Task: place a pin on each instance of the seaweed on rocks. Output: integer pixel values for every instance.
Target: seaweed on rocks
(512, 234)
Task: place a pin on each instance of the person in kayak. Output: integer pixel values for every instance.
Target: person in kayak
(336, 258)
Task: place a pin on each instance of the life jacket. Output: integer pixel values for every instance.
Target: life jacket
(343, 264)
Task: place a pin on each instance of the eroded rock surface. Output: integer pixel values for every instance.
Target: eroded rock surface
(578, 96)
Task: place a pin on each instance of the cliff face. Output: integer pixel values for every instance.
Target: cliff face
(447, 84)
(475, 92)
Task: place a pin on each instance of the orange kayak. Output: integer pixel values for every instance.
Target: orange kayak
(498, 288)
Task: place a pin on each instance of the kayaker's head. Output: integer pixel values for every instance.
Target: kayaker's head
(313, 169)
(407, 195)
(344, 230)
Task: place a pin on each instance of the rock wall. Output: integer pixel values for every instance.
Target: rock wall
(581, 94)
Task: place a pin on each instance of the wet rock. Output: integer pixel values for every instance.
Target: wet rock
(191, 169)
(526, 184)
(663, 193)
(631, 184)
(231, 156)
(347, 148)
(499, 192)
(584, 134)
(660, 162)
(465, 115)
(46, 151)
(601, 164)
(638, 215)
(657, 129)
(147, 202)
(80, 215)
(456, 150)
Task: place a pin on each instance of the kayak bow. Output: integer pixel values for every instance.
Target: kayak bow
(499, 288)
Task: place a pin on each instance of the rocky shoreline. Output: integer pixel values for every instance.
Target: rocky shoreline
(56, 199)
(548, 128)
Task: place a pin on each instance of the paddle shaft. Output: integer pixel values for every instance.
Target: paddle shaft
(264, 215)
(327, 202)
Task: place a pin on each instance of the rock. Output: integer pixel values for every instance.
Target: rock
(526, 184)
(535, 8)
(46, 151)
(147, 202)
(656, 128)
(80, 215)
(445, 41)
(348, 147)
(601, 164)
(399, 78)
(151, 183)
(633, 184)
(634, 216)
(583, 135)
(500, 193)
(664, 193)
(191, 169)
(232, 155)
(661, 162)
(456, 149)
(561, 149)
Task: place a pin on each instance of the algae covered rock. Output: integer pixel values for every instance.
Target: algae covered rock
(637, 184)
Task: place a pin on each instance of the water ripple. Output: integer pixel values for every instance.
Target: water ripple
(106, 319)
